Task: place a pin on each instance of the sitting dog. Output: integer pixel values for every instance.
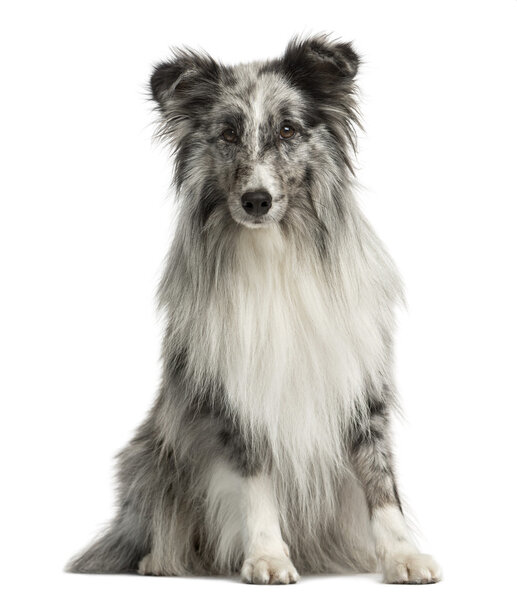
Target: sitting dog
(267, 451)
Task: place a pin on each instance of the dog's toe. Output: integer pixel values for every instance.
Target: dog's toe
(411, 568)
(267, 569)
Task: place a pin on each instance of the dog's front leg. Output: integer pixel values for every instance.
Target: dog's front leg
(371, 457)
(266, 555)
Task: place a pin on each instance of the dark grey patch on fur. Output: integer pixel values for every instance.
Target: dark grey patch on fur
(212, 197)
(371, 453)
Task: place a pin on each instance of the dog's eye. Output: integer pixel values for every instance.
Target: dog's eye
(230, 135)
(286, 132)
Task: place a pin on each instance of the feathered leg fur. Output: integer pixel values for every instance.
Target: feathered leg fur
(371, 457)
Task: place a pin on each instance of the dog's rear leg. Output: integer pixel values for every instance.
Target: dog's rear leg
(371, 457)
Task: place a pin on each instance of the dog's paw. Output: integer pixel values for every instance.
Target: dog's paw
(269, 569)
(411, 568)
(146, 567)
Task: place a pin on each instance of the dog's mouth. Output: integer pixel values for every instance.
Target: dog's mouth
(253, 221)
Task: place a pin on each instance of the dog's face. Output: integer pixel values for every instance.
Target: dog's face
(257, 142)
(250, 138)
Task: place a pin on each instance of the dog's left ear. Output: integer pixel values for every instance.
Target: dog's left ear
(320, 66)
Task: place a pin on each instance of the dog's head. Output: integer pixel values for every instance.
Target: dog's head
(257, 142)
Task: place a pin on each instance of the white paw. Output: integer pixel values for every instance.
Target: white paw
(145, 566)
(411, 568)
(269, 569)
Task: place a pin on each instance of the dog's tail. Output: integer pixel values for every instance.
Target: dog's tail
(117, 550)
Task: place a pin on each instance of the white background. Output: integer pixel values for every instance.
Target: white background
(85, 223)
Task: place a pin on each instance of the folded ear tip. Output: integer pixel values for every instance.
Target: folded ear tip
(350, 58)
(322, 48)
(182, 69)
(163, 77)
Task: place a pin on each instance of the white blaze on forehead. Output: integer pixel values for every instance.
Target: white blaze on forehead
(262, 95)
(261, 102)
(258, 113)
(267, 93)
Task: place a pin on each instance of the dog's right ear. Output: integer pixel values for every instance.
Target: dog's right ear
(164, 79)
(188, 77)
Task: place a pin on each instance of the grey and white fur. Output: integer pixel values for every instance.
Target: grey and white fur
(267, 451)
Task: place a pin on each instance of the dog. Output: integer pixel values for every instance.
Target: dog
(267, 450)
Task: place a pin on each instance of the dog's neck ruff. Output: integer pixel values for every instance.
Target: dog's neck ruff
(291, 345)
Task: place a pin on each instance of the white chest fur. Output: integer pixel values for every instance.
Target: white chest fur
(292, 349)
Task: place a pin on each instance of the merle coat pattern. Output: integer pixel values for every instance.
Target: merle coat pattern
(267, 450)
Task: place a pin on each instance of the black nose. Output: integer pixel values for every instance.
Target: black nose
(256, 203)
